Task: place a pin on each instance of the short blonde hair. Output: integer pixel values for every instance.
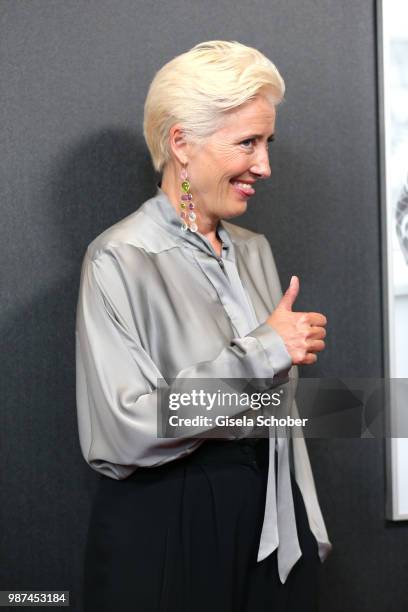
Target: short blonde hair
(199, 86)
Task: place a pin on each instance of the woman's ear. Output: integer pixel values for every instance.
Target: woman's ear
(178, 143)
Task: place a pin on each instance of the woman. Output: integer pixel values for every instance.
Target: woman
(171, 292)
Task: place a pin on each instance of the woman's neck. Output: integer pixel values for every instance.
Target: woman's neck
(207, 226)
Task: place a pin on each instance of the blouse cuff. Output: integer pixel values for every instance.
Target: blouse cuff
(273, 346)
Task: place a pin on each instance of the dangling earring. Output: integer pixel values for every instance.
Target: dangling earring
(187, 214)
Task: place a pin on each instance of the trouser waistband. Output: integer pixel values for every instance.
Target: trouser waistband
(246, 450)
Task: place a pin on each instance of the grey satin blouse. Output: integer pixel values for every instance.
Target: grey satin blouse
(157, 303)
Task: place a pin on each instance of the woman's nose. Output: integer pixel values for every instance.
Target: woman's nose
(262, 166)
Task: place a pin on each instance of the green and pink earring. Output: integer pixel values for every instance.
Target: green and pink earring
(187, 214)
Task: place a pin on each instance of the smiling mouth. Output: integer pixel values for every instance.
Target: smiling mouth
(242, 188)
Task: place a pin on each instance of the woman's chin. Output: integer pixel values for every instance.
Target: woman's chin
(235, 209)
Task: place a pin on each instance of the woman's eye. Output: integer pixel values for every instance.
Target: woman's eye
(248, 142)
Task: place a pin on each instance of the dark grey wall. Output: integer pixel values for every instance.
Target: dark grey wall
(74, 76)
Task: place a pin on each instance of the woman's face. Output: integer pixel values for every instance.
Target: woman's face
(223, 171)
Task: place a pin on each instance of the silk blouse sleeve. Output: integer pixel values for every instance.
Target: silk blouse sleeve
(117, 381)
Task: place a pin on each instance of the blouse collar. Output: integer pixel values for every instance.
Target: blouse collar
(163, 212)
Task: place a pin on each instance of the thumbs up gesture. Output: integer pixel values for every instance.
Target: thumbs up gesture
(302, 332)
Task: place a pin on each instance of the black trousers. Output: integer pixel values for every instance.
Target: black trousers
(184, 537)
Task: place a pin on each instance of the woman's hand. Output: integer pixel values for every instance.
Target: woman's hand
(302, 332)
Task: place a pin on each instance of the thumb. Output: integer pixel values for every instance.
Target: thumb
(290, 294)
